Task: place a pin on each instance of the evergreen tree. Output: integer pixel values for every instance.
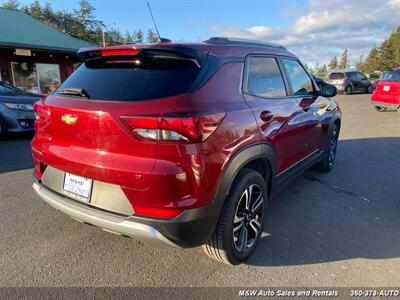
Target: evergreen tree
(128, 38)
(138, 36)
(360, 66)
(333, 64)
(344, 59)
(13, 4)
(372, 61)
(151, 36)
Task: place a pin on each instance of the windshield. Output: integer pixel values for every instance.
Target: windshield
(391, 76)
(131, 80)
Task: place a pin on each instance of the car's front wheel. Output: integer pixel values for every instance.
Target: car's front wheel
(369, 89)
(241, 222)
(348, 90)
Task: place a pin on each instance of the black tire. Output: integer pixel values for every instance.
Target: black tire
(240, 225)
(368, 90)
(3, 129)
(329, 155)
(348, 90)
(380, 108)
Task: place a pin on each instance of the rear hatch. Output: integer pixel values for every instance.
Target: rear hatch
(389, 84)
(336, 78)
(81, 126)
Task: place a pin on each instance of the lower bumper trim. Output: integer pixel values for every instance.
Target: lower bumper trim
(107, 221)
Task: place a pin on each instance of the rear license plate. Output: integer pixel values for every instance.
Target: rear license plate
(77, 187)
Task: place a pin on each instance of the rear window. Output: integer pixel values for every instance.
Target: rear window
(391, 76)
(336, 76)
(133, 80)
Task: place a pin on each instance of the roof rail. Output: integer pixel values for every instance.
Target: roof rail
(236, 41)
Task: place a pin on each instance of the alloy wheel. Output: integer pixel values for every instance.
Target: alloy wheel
(247, 224)
(333, 147)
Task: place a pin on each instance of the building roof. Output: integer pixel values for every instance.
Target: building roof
(22, 31)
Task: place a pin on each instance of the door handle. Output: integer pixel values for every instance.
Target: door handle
(266, 116)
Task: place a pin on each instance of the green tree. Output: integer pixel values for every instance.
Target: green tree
(138, 36)
(372, 61)
(333, 64)
(360, 65)
(13, 4)
(128, 38)
(343, 64)
(151, 36)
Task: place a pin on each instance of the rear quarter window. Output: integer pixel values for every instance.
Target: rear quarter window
(264, 78)
(133, 80)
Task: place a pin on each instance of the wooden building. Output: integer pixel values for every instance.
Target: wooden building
(34, 56)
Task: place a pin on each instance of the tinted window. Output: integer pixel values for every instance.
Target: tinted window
(361, 76)
(133, 80)
(336, 76)
(352, 75)
(391, 76)
(301, 82)
(264, 79)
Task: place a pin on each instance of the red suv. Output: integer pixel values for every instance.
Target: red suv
(182, 144)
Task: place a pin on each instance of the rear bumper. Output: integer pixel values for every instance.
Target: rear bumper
(386, 105)
(107, 221)
(192, 228)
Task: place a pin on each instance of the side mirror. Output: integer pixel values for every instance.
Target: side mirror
(328, 90)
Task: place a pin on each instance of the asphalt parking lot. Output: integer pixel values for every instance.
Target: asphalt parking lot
(340, 229)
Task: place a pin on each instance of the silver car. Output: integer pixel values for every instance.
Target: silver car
(16, 110)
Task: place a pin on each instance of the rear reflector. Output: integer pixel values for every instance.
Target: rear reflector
(156, 212)
(174, 128)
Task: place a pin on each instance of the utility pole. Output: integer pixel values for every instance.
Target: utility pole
(348, 60)
(104, 27)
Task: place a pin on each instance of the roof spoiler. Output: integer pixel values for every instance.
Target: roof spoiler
(157, 51)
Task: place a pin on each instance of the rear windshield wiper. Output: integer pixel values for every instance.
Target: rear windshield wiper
(81, 92)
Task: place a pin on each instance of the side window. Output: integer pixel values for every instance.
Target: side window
(263, 77)
(352, 76)
(361, 76)
(301, 82)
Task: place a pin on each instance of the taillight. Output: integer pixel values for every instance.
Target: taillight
(174, 127)
(38, 108)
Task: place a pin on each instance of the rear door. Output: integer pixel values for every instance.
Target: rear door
(267, 93)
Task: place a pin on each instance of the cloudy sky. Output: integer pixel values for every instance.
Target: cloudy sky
(314, 29)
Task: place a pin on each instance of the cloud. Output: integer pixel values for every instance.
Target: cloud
(327, 28)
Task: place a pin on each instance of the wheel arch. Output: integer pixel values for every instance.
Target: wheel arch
(260, 157)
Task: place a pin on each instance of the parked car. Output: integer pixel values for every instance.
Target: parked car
(16, 109)
(319, 81)
(350, 81)
(182, 144)
(387, 93)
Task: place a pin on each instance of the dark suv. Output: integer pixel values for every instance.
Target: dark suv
(350, 81)
(182, 144)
